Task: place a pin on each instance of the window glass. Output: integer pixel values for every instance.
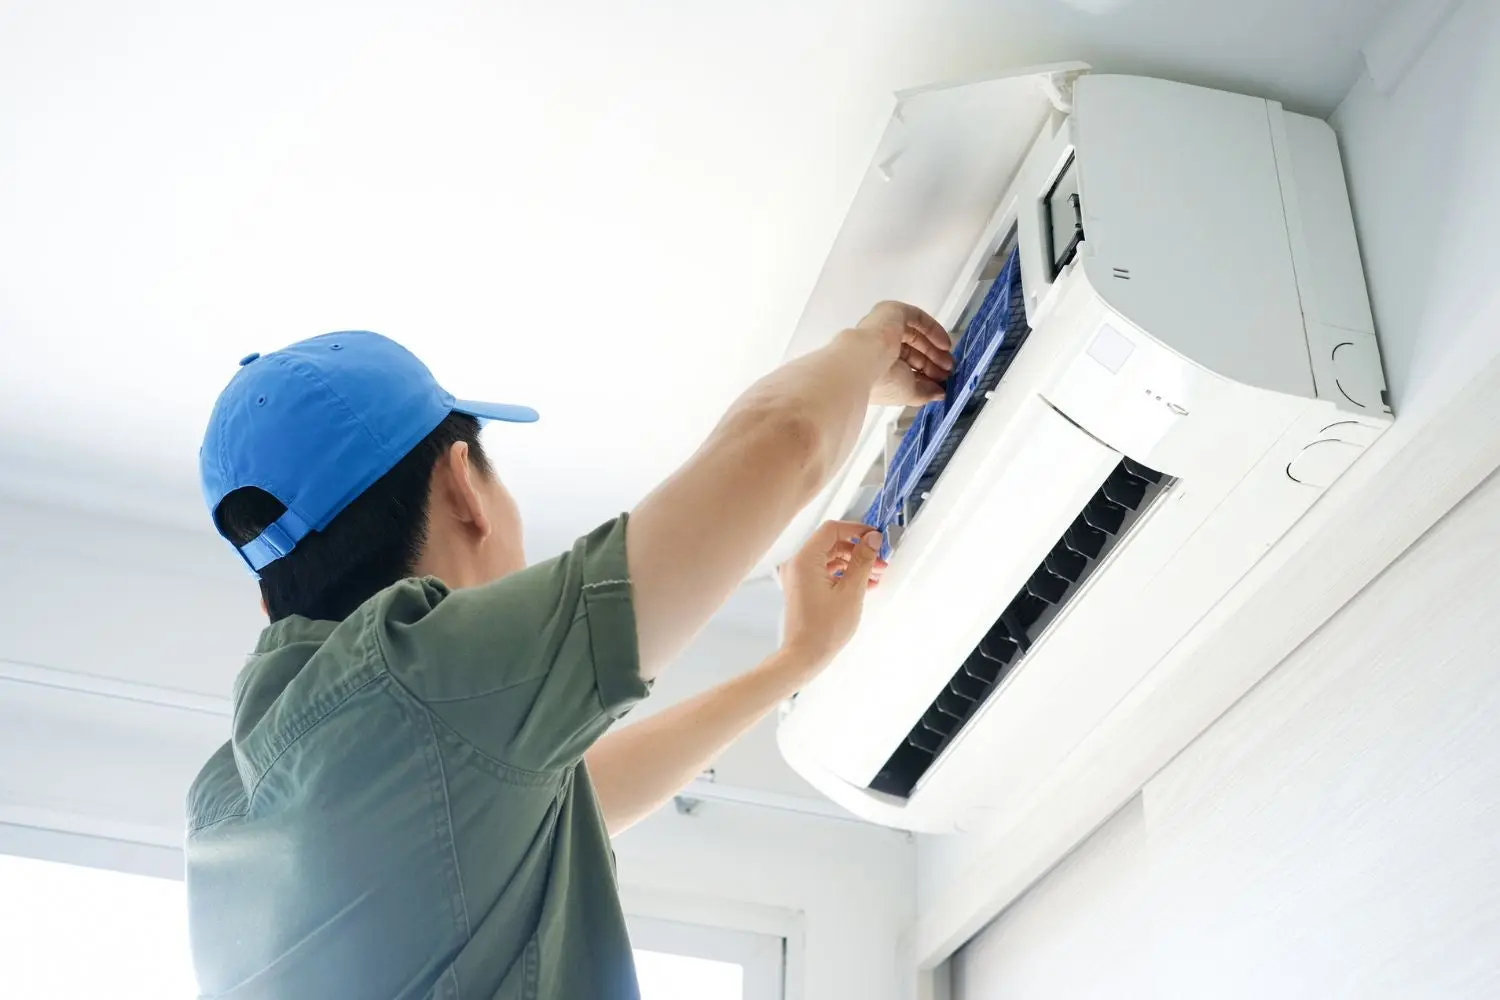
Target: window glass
(665, 976)
(74, 933)
(69, 932)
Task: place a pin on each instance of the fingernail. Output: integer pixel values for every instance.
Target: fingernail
(873, 540)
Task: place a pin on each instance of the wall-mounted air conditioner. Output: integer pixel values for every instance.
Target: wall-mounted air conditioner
(1167, 356)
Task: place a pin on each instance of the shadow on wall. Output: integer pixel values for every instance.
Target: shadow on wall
(1434, 139)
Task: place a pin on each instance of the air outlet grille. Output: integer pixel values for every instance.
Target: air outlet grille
(1098, 528)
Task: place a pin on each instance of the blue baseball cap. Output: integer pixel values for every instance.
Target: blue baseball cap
(317, 423)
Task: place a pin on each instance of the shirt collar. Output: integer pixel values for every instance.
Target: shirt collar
(292, 630)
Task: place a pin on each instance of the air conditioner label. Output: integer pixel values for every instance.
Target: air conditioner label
(1111, 348)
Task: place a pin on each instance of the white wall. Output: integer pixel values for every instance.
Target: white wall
(1331, 834)
(118, 645)
(845, 889)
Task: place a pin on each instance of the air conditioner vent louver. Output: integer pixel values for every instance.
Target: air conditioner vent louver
(1105, 519)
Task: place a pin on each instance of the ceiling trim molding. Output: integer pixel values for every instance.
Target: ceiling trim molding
(90, 825)
(703, 790)
(58, 679)
(113, 689)
(109, 853)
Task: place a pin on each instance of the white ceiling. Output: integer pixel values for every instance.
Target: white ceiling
(613, 212)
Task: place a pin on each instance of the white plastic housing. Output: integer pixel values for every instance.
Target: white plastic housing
(1214, 326)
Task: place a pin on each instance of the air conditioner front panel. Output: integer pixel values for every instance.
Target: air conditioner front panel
(1032, 466)
(1186, 551)
(947, 156)
(1193, 546)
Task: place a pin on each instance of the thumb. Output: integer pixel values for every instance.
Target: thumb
(862, 562)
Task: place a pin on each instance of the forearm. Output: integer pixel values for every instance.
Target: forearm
(637, 768)
(824, 395)
(696, 538)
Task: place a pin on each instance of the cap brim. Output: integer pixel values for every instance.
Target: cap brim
(497, 411)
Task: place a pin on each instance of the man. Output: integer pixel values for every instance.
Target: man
(416, 800)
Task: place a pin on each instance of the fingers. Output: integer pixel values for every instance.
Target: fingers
(925, 356)
(930, 329)
(838, 562)
(861, 567)
(919, 331)
(922, 364)
(927, 337)
(832, 551)
(829, 534)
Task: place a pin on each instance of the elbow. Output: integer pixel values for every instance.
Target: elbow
(794, 441)
(806, 446)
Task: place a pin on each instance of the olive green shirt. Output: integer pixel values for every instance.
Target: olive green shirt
(402, 810)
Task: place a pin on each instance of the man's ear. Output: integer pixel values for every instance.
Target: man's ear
(465, 500)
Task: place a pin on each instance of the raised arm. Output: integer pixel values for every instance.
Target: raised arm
(636, 768)
(696, 537)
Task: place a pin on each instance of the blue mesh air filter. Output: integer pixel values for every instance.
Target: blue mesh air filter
(983, 353)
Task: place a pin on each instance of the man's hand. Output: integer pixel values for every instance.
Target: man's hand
(773, 452)
(921, 354)
(637, 768)
(825, 585)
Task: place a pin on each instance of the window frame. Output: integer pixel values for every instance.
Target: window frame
(723, 930)
(760, 956)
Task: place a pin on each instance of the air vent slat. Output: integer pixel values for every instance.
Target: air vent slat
(942, 716)
(1140, 471)
(1108, 515)
(998, 645)
(1047, 587)
(955, 704)
(1024, 610)
(935, 718)
(925, 739)
(983, 668)
(909, 758)
(943, 726)
(1087, 541)
(1124, 489)
(968, 686)
(1064, 562)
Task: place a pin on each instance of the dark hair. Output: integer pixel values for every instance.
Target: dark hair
(371, 544)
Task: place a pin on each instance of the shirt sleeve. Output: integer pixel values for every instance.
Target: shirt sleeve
(532, 668)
